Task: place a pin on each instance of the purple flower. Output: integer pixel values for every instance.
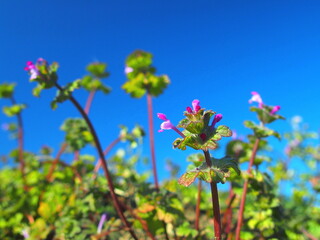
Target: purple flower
(275, 109)
(167, 125)
(195, 105)
(256, 98)
(101, 222)
(25, 233)
(5, 126)
(216, 119)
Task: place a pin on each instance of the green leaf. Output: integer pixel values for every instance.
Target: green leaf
(261, 131)
(264, 114)
(98, 69)
(13, 110)
(6, 90)
(218, 172)
(188, 178)
(223, 131)
(77, 133)
(142, 78)
(139, 60)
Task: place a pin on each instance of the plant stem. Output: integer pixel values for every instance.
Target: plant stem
(89, 101)
(227, 216)
(55, 162)
(198, 206)
(103, 162)
(245, 189)
(215, 202)
(20, 146)
(151, 140)
(86, 110)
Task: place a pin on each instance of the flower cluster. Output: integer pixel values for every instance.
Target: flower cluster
(257, 98)
(198, 133)
(42, 73)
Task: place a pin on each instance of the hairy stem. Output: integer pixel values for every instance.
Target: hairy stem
(20, 146)
(245, 189)
(215, 202)
(103, 162)
(151, 140)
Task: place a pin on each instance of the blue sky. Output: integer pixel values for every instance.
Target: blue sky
(216, 51)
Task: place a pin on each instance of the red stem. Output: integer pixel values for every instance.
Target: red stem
(198, 207)
(227, 216)
(103, 162)
(245, 189)
(20, 146)
(89, 101)
(86, 110)
(215, 202)
(151, 139)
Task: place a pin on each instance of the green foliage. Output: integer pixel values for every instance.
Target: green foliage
(261, 131)
(218, 172)
(93, 82)
(6, 90)
(198, 133)
(46, 77)
(77, 133)
(141, 78)
(69, 205)
(65, 93)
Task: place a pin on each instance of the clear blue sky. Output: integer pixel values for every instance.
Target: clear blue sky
(216, 51)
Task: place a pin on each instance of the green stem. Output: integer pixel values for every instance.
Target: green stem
(103, 162)
(215, 202)
(245, 189)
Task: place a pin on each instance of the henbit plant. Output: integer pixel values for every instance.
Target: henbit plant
(142, 80)
(199, 134)
(69, 200)
(266, 114)
(46, 77)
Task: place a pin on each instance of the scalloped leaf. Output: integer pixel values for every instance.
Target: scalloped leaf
(224, 131)
(264, 114)
(261, 131)
(188, 178)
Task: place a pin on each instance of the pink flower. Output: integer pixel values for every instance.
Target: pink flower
(275, 109)
(216, 119)
(167, 125)
(32, 70)
(128, 70)
(195, 105)
(256, 98)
